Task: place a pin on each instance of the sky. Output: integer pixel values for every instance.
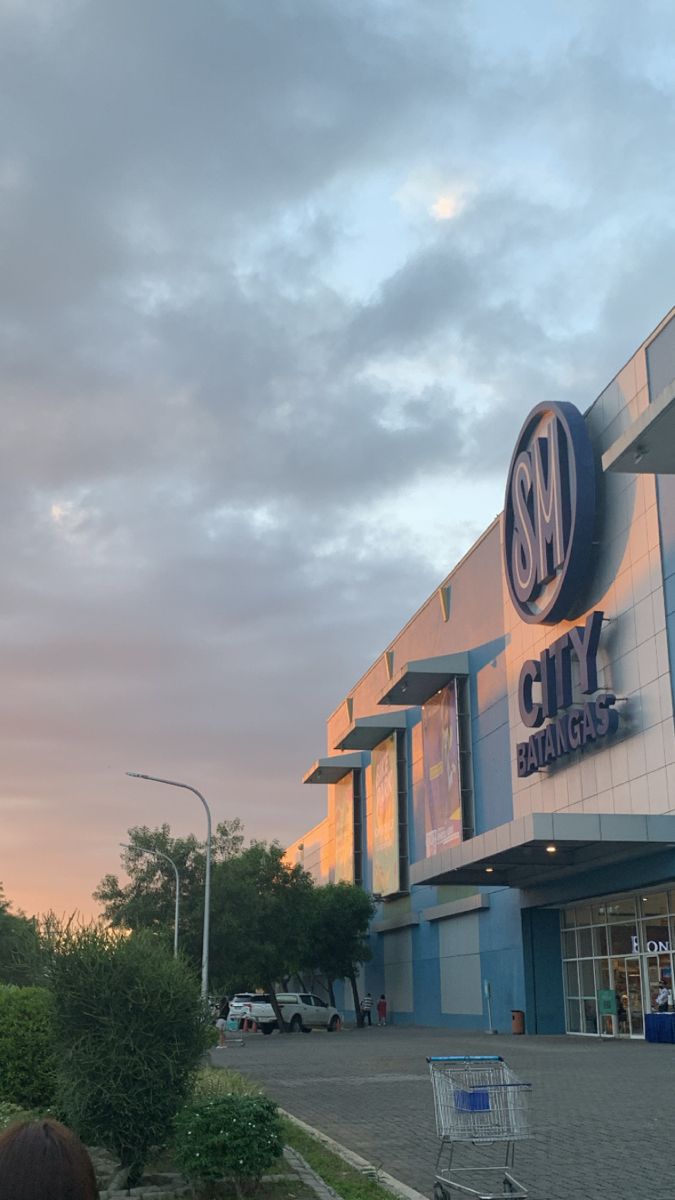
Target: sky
(280, 281)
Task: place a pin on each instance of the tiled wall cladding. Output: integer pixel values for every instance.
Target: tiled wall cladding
(636, 773)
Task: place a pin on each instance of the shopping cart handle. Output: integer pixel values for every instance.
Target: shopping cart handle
(466, 1058)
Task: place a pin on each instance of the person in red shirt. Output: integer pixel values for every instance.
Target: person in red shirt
(382, 1010)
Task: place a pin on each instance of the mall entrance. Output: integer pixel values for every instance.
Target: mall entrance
(617, 962)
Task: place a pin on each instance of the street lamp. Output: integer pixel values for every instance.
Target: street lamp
(161, 854)
(207, 882)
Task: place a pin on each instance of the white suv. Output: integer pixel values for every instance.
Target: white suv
(300, 1010)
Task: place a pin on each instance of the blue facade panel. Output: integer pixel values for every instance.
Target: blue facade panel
(493, 801)
(544, 1001)
(426, 980)
(502, 955)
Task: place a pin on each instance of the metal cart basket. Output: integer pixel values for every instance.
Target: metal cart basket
(478, 1100)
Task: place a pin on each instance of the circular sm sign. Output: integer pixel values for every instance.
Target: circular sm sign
(549, 513)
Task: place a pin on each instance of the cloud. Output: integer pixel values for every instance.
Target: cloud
(276, 279)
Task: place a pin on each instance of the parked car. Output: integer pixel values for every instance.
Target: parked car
(300, 1010)
(250, 1006)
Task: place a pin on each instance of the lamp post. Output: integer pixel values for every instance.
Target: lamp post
(161, 854)
(207, 882)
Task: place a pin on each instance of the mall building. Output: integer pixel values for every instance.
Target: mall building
(502, 777)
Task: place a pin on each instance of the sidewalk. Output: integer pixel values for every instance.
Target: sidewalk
(603, 1114)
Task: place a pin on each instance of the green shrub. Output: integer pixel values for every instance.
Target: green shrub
(9, 1113)
(130, 1030)
(27, 1057)
(237, 1136)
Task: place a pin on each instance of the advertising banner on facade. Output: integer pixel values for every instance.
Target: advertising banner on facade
(344, 830)
(384, 783)
(442, 793)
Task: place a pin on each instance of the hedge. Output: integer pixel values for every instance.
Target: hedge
(27, 1054)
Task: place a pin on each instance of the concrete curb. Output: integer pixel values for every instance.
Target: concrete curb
(308, 1176)
(401, 1190)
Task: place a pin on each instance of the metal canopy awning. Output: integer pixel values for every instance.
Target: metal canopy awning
(648, 445)
(368, 732)
(516, 854)
(422, 678)
(333, 769)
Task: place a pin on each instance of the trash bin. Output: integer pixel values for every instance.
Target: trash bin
(517, 1020)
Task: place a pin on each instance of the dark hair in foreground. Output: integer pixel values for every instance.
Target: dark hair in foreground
(42, 1160)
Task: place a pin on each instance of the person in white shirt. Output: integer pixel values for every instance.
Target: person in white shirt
(662, 998)
(366, 1006)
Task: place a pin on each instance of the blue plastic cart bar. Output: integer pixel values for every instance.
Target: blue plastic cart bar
(470, 1058)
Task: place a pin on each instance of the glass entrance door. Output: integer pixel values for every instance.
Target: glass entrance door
(627, 978)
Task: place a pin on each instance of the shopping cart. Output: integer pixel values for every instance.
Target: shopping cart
(478, 1100)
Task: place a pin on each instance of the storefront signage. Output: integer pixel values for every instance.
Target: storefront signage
(607, 1002)
(572, 726)
(653, 947)
(549, 513)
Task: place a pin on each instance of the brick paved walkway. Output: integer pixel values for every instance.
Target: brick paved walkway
(604, 1111)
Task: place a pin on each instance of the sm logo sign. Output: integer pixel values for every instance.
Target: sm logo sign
(549, 513)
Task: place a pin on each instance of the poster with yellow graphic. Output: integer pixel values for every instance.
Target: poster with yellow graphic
(384, 810)
(344, 830)
(442, 793)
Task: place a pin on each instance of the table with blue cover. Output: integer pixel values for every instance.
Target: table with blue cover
(660, 1027)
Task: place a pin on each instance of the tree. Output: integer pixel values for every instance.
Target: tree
(20, 954)
(339, 938)
(261, 918)
(148, 900)
(129, 1031)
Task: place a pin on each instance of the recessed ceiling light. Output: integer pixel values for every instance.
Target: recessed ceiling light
(551, 849)
(489, 870)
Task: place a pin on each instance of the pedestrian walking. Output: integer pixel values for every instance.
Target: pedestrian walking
(382, 1010)
(366, 1006)
(221, 1023)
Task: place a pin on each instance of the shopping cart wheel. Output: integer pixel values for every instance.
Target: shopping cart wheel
(439, 1192)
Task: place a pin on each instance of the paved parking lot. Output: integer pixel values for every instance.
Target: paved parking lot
(603, 1112)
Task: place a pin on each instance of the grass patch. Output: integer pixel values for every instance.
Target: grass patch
(213, 1082)
(349, 1183)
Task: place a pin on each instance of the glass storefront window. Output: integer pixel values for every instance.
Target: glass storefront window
(569, 944)
(590, 1016)
(586, 977)
(621, 909)
(585, 943)
(571, 979)
(624, 945)
(573, 1016)
(600, 939)
(656, 936)
(622, 939)
(659, 970)
(655, 905)
(602, 969)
